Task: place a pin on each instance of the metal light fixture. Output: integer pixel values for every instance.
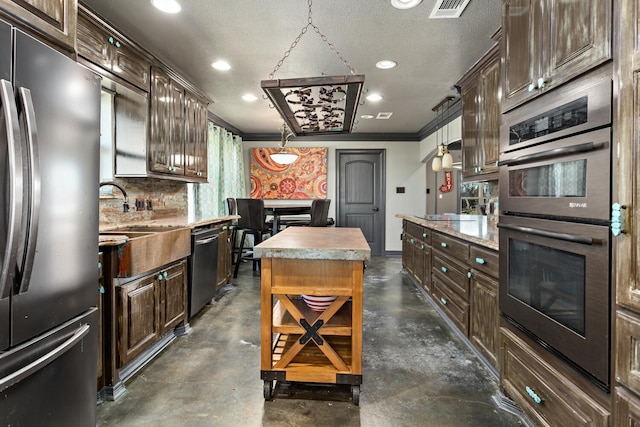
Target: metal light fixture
(444, 159)
(315, 105)
(284, 157)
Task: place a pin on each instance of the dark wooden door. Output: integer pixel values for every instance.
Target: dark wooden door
(361, 199)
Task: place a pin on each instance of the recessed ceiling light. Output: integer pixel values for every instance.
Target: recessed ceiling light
(386, 64)
(367, 116)
(221, 65)
(405, 4)
(168, 6)
(249, 97)
(374, 97)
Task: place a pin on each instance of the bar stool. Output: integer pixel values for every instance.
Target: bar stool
(252, 222)
(232, 209)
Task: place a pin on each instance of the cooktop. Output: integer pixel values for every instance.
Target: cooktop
(450, 217)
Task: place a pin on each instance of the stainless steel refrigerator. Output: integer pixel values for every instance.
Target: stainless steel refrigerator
(49, 157)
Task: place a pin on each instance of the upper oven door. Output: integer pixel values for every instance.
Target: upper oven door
(579, 106)
(568, 178)
(555, 283)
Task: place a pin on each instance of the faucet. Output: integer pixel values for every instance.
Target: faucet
(125, 204)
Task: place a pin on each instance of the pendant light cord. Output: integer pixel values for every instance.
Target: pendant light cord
(302, 33)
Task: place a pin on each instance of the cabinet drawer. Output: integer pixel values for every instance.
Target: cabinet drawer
(452, 274)
(452, 304)
(484, 260)
(546, 396)
(419, 232)
(452, 247)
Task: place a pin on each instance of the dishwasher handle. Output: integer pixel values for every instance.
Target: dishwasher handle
(206, 240)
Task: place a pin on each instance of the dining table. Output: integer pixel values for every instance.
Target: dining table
(278, 209)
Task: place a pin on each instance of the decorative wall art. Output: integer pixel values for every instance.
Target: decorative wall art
(306, 178)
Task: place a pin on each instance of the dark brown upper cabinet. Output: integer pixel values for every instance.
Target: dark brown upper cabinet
(480, 90)
(547, 42)
(53, 19)
(111, 51)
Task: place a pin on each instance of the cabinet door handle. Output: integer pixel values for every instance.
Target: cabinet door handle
(165, 274)
(411, 240)
(532, 394)
(110, 40)
(443, 301)
(118, 44)
(532, 87)
(160, 276)
(468, 275)
(444, 269)
(480, 260)
(443, 244)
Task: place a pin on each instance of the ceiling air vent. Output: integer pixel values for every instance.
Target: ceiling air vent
(448, 9)
(384, 116)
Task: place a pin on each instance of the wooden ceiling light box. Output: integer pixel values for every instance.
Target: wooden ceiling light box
(316, 105)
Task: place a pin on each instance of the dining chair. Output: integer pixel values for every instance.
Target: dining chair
(318, 218)
(252, 222)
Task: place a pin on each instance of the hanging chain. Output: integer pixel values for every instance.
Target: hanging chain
(302, 33)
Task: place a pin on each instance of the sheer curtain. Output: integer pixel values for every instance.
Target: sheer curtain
(226, 174)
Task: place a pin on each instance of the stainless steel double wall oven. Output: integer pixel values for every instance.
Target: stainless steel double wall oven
(555, 200)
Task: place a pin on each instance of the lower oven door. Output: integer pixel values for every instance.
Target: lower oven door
(570, 177)
(555, 285)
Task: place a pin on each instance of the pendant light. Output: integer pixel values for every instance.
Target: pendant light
(443, 159)
(315, 105)
(284, 157)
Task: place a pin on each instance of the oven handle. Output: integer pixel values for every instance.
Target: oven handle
(552, 234)
(556, 152)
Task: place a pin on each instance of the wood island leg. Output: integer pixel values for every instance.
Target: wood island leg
(356, 315)
(266, 310)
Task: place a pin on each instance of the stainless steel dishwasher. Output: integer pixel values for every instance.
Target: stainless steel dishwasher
(203, 268)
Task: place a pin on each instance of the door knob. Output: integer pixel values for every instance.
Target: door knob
(375, 209)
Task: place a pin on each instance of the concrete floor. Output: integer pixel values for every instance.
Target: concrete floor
(416, 371)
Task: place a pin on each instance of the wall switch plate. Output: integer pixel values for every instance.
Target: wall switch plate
(139, 204)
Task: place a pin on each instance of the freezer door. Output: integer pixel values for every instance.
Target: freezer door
(5, 51)
(61, 99)
(51, 380)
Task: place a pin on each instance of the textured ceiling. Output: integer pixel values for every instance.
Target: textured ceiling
(252, 35)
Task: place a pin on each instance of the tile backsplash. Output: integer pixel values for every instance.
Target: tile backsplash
(168, 199)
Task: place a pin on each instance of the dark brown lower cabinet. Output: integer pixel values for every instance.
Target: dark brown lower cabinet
(138, 317)
(224, 255)
(546, 390)
(150, 307)
(627, 408)
(485, 316)
(173, 296)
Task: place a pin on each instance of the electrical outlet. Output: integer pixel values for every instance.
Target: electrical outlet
(139, 204)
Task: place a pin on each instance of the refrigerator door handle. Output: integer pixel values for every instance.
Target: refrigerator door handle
(30, 369)
(31, 216)
(11, 155)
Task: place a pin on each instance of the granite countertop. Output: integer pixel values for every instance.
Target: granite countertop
(473, 228)
(169, 223)
(335, 243)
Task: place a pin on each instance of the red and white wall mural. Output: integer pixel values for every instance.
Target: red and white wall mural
(306, 178)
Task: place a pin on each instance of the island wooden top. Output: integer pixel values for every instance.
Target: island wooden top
(316, 243)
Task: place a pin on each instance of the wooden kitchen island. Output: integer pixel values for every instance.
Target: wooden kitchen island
(298, 344)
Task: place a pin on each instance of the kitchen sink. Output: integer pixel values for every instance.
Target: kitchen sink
(129, 234)
(140, 229)
(149, 248)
